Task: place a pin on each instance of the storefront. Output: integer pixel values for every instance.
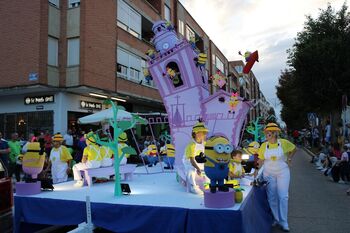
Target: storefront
(55, 112)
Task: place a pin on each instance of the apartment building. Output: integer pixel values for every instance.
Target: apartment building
(62, 58)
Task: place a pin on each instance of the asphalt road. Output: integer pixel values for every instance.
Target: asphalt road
(316, 204)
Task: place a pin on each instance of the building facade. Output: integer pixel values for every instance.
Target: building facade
(62, 58)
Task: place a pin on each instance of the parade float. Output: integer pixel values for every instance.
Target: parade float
(158, 203)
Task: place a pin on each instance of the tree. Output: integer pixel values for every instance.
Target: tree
(319, 67)
(118, 128)
(293, 111)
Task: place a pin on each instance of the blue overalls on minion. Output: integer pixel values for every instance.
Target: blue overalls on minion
(216, 174)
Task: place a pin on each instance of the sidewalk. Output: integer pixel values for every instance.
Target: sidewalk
(316, 204)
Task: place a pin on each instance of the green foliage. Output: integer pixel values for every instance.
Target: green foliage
(319, 67)
(129, 150)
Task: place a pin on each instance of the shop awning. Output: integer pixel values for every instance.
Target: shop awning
(105, 115)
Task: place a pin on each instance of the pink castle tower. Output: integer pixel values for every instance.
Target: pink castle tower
(184, 88)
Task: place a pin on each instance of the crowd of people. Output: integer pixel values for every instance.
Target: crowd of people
(67, 154)
(334, 162)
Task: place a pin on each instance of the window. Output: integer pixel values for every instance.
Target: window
(181, 28)
(219, 64)
(129, 19)
(189, 33)
(239, 69)
(52, 51)
(55, 3)
(73, 52)
(122, 70)
(167, 14)
(73, 3)
(129, 65)
(173, 73)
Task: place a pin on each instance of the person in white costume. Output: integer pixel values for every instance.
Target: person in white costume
(276, 156)
(106, 154)
(59, 161)
(195, 171)
(91, 159)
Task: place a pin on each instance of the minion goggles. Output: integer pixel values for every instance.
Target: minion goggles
(220, 148)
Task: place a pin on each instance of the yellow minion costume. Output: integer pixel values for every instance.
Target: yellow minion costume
(276, 172)
(169, 159)
(152, 155)
(59, 159)
(193, 149)
(33, 160)
(217, 158)
(91, 159)
(122, 139)
(236, 169)
(106, 154)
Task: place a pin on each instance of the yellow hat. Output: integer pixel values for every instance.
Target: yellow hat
(90, 137)
(57, 138)
(253, 148)
(272, 127)
(199, 127)
(123, 137)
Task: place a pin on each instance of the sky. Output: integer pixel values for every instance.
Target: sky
(269, 26)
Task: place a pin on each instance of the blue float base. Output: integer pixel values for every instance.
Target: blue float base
(126, 214)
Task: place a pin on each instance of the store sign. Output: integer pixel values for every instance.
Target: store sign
(90, 105)
(33, 76)
(39, 99)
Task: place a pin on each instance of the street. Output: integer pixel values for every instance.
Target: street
(316, 204)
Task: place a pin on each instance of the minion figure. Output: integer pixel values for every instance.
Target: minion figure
(151, 54)
(216, 160)
(33, 160)
(122, 140)
(169, 151)
(201, 60)
(152, 155)
(233, 102)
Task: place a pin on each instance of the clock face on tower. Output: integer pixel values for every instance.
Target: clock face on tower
(165, 46)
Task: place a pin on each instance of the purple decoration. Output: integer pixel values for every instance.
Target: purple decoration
(23, 188)
(165, 36)
(188, 99)
(219, 199)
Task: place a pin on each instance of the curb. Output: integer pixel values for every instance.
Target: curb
(308, 151)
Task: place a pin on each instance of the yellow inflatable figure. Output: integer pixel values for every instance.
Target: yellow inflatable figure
(33, 160)
(217, 158)
(169, 151)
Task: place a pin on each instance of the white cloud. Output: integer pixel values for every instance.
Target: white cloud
(269, 26)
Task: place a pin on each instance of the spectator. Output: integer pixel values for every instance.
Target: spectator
(80, 148)
(4, 155)
(295, 135)
(147, 142)
(30, 139)
(315, 137)
(68, 139)
(48, 142)
(340, 134)
(344, 165)
(328, 132)
(14, 165)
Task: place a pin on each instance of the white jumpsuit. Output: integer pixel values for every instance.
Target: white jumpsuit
(194, 181)
(276, 172)
(58, 167)
(96, 163)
